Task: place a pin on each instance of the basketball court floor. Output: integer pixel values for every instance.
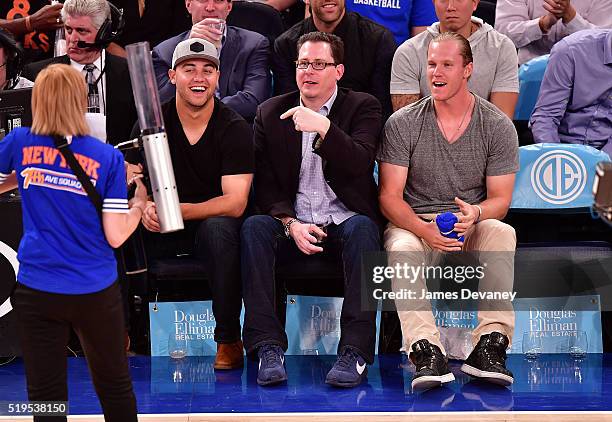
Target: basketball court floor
(551, 388)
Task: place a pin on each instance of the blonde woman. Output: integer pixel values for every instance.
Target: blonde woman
(67, 273)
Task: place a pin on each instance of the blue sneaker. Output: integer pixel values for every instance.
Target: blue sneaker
(271, 365)
(348, 371)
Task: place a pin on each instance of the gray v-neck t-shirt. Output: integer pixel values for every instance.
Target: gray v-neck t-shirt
(437, 170)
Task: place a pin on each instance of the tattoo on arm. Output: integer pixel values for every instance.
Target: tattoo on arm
(401, 100)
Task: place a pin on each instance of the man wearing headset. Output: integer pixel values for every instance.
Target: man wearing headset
(11, 63)
(89, 29)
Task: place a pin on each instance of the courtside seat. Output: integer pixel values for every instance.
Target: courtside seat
(553, 194)
(314, 274)
(308, 277)
(182, 268)
(555, 177)
(309, 270)
(530, 80)
(184, 278)
(561, 249)
(175, 279)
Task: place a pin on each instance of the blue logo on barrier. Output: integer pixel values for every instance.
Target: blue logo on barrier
(558, 177)
(554, 176)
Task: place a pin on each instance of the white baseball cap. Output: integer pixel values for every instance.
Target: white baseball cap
(195, 48)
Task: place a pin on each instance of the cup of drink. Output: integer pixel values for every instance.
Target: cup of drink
(532, 345)
(321, 239)
(218, 24)
(177, 346)
(446, 223)
(578, 344)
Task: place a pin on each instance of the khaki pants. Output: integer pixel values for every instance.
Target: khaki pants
(489, 235)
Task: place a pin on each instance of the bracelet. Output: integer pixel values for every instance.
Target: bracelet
(287, 226)
(28, 24)
(479, 213)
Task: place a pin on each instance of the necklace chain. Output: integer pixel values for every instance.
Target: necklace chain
(460, 124)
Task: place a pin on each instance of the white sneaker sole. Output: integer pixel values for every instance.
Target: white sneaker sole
(429, 381)
(492, 377)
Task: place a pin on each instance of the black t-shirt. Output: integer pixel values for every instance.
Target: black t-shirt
(37, 45)
(162, 19)
(225, 148)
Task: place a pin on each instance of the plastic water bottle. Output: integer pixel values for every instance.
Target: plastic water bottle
(446, 223)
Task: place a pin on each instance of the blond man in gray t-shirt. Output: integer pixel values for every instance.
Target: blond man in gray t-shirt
(495, 73)
(452, 151)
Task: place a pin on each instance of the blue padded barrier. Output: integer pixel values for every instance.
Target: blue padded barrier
(530, 79)
(556, 176)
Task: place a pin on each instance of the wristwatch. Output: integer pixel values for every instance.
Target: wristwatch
(288, 224)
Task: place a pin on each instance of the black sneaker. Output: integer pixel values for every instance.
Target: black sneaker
(348, 371)
(488, 360)
(431, 366)
(271, 365)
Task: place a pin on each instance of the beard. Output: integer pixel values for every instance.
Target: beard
(196, 103)
(327, 18)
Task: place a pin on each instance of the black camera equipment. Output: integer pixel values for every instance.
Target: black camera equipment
(602, 191)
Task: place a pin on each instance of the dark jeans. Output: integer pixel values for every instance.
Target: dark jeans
(45, 320)
(263, 242)
(216, 242)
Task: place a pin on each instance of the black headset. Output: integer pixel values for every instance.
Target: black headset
(14, 58)
(110, 30)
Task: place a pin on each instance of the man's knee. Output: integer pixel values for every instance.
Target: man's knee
(221, 224)
(220, 229)
(258, 227)
(362, 228)
(499, 236)
(400, 240)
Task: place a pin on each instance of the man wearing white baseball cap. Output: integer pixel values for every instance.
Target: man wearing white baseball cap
(212, 154)
(194, 48)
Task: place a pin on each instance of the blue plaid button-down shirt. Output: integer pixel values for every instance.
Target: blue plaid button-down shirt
(315, 201)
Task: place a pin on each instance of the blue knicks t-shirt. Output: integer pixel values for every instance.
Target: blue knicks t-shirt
(63, 249)
(397, 15)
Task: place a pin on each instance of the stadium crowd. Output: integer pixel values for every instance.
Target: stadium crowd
(274, 142)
